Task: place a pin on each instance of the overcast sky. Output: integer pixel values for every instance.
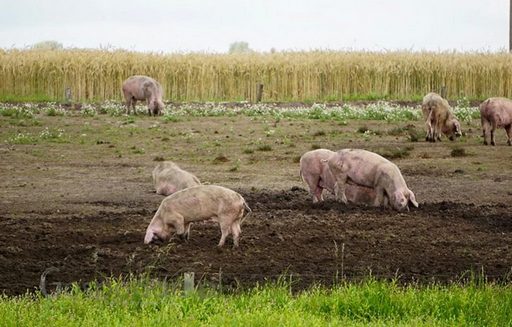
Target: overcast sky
(211, 26)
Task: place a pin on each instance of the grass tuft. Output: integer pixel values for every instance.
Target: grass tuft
(264, 147)
(220, 159)
(458, 152)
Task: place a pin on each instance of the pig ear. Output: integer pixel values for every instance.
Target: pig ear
(412, 199)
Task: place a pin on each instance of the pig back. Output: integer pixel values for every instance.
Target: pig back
(361, 166)
(497, 110)
(203, 202)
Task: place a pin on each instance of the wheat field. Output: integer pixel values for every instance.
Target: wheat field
(97, 75)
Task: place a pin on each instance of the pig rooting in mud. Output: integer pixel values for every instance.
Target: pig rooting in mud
(179, 210)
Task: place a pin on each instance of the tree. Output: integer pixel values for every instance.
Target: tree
(240, 47)
(47, 45)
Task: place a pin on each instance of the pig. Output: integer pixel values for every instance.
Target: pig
(372, 170)
(168, 178)
(496, 113)
(439, 118)
(197, 203)
(141, 88)
(315, 172)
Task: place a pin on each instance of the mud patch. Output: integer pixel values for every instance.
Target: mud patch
(285, 234)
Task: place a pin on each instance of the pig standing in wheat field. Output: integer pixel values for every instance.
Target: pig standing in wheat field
(439, 118)
(315, 171)
(168, 178)
(140, 88)
(203, 202)
(372, 170)
(496, 113)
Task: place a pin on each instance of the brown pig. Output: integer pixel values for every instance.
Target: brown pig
(372, 170)
(496, 113)
(168, 178)
(315, 171)
(439, 118)
(140, 88)
(197, 203)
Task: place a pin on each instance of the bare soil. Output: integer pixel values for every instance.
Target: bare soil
(82, 203)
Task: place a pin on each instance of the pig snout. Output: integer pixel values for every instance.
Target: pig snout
(151, 237)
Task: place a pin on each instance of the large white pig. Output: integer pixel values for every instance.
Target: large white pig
(496, 113)
(140, 88)
(168, 178)
(371, 170)
(203, 202)
(315, 171)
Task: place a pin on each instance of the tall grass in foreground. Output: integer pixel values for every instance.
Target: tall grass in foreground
(287, 76)
(368, 303)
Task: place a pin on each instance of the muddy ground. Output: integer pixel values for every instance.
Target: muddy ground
(81, 203)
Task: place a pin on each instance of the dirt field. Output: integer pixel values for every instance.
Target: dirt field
(81, 202)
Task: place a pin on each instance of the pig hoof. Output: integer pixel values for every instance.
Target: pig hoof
(493, 143)
(485, 143)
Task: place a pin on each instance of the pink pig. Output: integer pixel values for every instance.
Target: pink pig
(315, 171)
(140, 88)
(371, 170)
(197, 203)
(168, 178)
(496, 113)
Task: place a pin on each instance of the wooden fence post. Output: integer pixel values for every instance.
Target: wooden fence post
(67, 95)
(259, 92)
(443, 91)
(188, 283)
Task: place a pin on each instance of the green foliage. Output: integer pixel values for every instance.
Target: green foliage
(145, 302)
(239, 47)
(36, 98)
(264, 147)
(55, 111)
(112, 109)
(396, 152)
(88, 111)
(22, 138)
(170, 117)
(47, 45)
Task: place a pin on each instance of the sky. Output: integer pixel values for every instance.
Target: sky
(295, 25)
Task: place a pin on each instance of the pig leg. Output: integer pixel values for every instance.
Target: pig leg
(236, 230)
(431, 129)
(318, 194)
(379, 196)
(340, 187)
(508, 129)
(186, 235)
(179, 224)
(493, 129)
(148, 103)
(485, 130)
(128, 104)
(312, 182)
(133, 102)
(225, 229)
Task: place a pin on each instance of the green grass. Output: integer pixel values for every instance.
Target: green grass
(373, 111)
(26, 98)
(141, 302)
